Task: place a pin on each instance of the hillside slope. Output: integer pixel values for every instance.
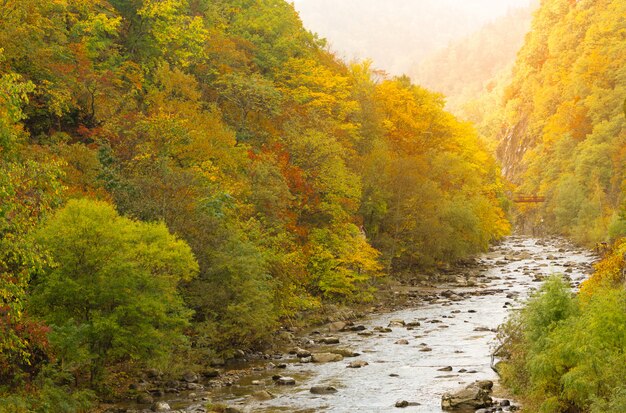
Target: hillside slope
(563, 133)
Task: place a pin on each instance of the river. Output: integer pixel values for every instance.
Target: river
(456, 329)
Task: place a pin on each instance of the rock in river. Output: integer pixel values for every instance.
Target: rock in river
(396, 323)
(325, 357)
(161, 407)
(190, 377)
(337, 326)
(358, 364)
(286, 381)
(345, 352)
(404, 403)
(323, 390)
(300, 352)
(263, 395)
(475, 396)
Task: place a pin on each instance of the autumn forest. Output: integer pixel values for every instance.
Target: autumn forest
(181, 179)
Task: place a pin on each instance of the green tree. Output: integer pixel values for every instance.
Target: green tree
(566, 353)
(28, 191)
(112, 293)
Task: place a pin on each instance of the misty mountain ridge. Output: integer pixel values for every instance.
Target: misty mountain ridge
(398, 35)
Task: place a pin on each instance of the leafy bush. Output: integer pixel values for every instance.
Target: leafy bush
(567, 353)
(112, 293)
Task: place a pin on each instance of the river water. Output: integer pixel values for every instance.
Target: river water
(459, 329)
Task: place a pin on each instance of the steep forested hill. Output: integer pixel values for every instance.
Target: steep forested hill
(179, 177)
(563, 137)
(564, 134)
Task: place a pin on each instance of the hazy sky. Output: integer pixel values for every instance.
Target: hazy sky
(397, 34)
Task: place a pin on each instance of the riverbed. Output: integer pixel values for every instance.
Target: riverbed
(415, 354)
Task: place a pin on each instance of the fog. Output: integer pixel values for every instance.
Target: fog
(397, 34)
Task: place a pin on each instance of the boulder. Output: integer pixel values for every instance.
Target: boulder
(345, 352)
(328, 340)
(190, 377)
(325, 357)
(357, 364)
(161, 407)
(157, 392)
(475, 396)
(286, 381)
(396, 323)
(403, 403)
(524, 255)
(355, 328)
(323, 390)
(301, 353)
(336, 326)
